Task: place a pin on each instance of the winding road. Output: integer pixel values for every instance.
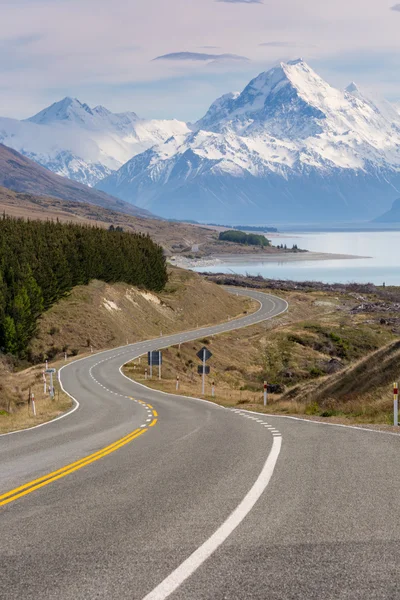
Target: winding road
(143, 495)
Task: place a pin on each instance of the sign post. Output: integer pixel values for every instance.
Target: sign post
(265, 393)
(51, 389)
(204, 354)
(395, 404)
(154, 358)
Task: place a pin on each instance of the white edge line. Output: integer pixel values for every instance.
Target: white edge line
(199, 556)
(321, 422)
(67, 414)
(199, 331)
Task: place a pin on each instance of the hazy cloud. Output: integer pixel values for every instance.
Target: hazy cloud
(287, 45)
(199, 56)
(279, 44)
(243, 1)
(396, 7)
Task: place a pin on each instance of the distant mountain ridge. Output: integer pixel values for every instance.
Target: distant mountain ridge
(20, 174)
(82, 143)
(289, 147)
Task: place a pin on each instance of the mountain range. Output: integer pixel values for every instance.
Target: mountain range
(288, 148)
(82, 143)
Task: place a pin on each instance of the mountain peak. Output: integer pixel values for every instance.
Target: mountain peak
(67, 109)
(352, 88)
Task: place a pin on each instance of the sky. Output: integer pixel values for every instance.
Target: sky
(172, 58)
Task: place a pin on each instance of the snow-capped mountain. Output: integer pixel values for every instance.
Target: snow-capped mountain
(289, 147)
(82, 143)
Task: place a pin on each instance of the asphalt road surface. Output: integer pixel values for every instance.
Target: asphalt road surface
(144, 495)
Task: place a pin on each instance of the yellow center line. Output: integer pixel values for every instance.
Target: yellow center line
(72, 470)
(35, 484)
(155, 413)
(69, 466)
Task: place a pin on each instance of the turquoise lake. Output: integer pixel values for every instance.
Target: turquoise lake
(383, 266)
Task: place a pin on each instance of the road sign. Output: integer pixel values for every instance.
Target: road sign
(204, 354)
(154, 358)
(49, 371)
(206, 370)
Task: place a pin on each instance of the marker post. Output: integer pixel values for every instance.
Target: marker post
(265, 393)
(395, 404)
(159, 364)
(177, 383)
(33, 404)
(213, 389)
(203, 380)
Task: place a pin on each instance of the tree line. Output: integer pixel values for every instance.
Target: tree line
(249, 239)
(41, 261)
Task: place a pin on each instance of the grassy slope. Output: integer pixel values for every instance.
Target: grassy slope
(106, 316)
(301, 352)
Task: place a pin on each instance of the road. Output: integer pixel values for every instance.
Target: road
(181, 498)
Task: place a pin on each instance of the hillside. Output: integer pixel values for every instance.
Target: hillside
(288, 148)
(103, 316)
(21, 174)
(334, 355)
(111, 315)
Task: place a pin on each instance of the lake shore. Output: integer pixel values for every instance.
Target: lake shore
(243, 259)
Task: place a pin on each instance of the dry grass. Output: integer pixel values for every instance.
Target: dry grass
(103, 316)
(291, 351)
(15, 412)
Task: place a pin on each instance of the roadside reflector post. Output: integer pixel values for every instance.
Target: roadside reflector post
(265, 393)
(145, 373)
(44, 382)
(203, 379)
(33, 404)
(65, 356)
(177, 382)
(47, 365)
(213, 389)
(159, 364)
(395, 404)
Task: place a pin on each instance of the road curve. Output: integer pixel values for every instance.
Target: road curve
(184, 505)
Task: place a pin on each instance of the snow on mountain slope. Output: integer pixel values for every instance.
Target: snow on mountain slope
(288, 145)
(82, 143)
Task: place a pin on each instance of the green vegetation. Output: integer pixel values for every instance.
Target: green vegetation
(42, 261)
(239, 237)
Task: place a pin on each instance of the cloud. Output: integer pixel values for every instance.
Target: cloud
(287, 45)
(279, 44)
(210, 47)
(395, 7)
(243, 1)
(199, 56)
